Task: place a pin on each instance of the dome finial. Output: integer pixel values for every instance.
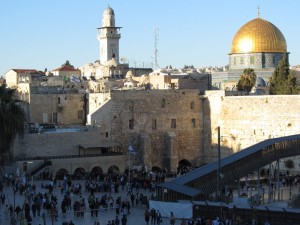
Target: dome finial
(258, 12)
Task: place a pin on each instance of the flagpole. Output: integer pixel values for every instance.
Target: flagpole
(128, 166)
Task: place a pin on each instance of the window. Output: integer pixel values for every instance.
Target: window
(80, 114)
(106, 134)
(193, 122)
(163, 103)
(45, 118)
(234, 60)
(130, 106)
(154, 124)
(58, 100)
(131, 124)
(251, 59)
(173, 123)
(242, 60)
(192, 105)
(54, 117)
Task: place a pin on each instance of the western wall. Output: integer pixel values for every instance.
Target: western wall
(247, 120)
(167, 126)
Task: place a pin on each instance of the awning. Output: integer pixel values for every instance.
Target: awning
(183, 189)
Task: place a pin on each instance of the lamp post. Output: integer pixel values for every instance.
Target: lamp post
(219, 165)
(219, 190)
(13, 217)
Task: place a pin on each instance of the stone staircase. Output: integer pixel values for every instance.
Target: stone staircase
(38, 168)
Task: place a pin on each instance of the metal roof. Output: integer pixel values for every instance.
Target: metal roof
(236, 165)
(189, 191)
(230, 159)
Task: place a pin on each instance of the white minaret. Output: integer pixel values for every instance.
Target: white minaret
(109, 37)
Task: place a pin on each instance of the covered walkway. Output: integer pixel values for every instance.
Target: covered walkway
(203, 181)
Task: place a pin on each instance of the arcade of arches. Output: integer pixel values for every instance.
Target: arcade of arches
(184, 166)
(81, 173)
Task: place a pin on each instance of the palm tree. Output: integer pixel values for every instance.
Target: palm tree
(11, 120)
(247, 80)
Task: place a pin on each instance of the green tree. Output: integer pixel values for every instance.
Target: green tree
(283, 81)
(11, 119)
(67, 63)
(247, 80)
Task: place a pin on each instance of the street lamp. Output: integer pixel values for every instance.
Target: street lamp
(219, 165)
(219, 190)
(13, 217)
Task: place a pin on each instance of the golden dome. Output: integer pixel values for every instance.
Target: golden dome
(258, 35)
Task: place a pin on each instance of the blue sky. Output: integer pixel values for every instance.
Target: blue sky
(39, 34)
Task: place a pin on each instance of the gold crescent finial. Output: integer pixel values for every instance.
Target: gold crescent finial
(258, 12)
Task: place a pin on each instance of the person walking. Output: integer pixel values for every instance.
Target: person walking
(147, 216)
(183, 222)
(117, 221)
(124, 220)
(172, 219)
(153, 216)
(158, 217)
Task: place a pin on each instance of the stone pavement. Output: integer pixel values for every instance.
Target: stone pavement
(136, 217)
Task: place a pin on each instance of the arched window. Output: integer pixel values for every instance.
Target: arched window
(192, 105)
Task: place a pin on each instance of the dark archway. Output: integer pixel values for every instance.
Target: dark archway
(184, 166)
(96, 172)
(61, 173)
(156, 169)
(113, 170)
(184, 162)
(79, 173)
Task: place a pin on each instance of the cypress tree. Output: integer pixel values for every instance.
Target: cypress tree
(283, 81)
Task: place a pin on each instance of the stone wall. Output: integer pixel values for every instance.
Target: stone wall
(166, 126)
(150, 115)
(67, 107)
(55, 144)
(247, 120)
(87, 164)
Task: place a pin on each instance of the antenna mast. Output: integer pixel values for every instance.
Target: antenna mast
(155, 66)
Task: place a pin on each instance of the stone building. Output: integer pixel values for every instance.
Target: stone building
(76, 151)
(108, 66)
(66, 72)
(14, 77)
(175, 79)
(164, 126)
(57, 108)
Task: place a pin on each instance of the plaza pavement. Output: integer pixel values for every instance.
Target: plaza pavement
(136, 217)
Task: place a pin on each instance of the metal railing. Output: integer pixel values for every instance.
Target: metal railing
(67, 156)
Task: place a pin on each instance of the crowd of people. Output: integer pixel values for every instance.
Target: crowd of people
(42, 201)
(103, 194)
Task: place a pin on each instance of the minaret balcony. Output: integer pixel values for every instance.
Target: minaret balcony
(107, 35)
